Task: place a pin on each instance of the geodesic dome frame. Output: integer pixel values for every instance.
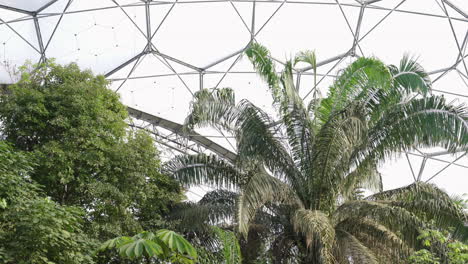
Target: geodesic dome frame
(159, 53)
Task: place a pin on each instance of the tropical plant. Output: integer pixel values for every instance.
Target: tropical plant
(306, 167)
(442, 249)
(75, 129)
(164, 245)
(34, 229)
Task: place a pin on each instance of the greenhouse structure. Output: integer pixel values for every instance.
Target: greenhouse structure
(234, 131)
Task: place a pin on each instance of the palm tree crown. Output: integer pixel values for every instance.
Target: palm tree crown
(312, 160)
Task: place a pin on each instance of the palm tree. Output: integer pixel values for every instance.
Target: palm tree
(305, 167)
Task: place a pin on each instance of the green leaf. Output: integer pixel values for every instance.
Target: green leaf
(177, 243)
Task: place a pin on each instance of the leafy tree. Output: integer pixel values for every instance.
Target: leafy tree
(442, 249)
(305, 167)
(423, 256)
(75, 129)
(163, 245)
(34, 229)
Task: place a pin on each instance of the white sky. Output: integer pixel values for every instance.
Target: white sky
(201, 32)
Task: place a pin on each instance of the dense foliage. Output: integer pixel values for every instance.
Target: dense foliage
(99, 177)
(439, 248)
(34, 229)
(298, 176)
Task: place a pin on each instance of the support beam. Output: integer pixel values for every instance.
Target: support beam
(39, 38)
(121, 66)
(149, 47)
(46, 5)
(19, 35)
(158, 137)
(421, 169)
(456, 8)
(358, 30)
(16, 10)
(179, 129)
(446, 166)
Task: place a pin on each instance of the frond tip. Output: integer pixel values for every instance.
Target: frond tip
(260, 58)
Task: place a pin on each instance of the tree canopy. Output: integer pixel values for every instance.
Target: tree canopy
(33, 228)
(83, 162)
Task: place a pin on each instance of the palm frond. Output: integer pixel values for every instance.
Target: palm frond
(430, 203)
(376, 237)
(411, 77)
(351, 249)
(260, 58)
(295, 115)
(284, 248)
(365, 175)
(261, 189)
(334, 146)
(308, 57)
(252, 127)
(193, 170)
(360, 80)
(384, 251)
(296, 119)
(256, 142)
(426, 122)
(315, 226)
(215, 108)
(216, 207)
(396, 219)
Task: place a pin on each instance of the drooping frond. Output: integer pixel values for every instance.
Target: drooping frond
(252, 127)
(352, 250)
(316, 227)
(193, 170)
(430, 203)
(419, 190)
(221, 197)
(426, 122)
(410, 76)
(256, 141)
(260, 58)
(378, 238)
(308, 57)
(365, 175)
(261, 189)
(214, 108)
(216, 207)
(394, 218)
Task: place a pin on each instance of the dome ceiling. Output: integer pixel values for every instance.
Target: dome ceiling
(157, 54)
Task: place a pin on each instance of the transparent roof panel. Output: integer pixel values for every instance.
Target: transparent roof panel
(28, 5)
(157, 54)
